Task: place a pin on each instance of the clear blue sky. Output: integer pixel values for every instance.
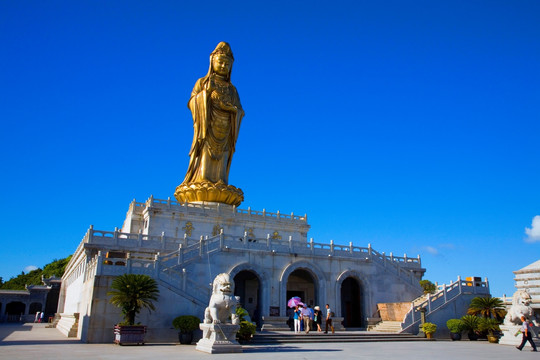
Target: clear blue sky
(410, 125)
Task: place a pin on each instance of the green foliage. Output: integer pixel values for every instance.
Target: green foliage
(488, 325)
(429, 328)
(487, 307)
(455, 326)
(428, 286)
(186, 323)
(133, 292)
(56, 267)
(247, 329)
(470, 322)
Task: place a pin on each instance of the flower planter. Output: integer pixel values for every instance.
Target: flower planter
(455, 336)
(124, 334)
(472, 336)
(493, 339)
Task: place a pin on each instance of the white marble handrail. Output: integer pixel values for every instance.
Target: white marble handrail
(444, 295)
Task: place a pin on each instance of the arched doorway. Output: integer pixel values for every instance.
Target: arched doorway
(14, 310)
(248, 287)
(351, 303)
(34, 308)
(302, 284)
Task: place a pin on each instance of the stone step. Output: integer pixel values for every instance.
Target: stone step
(280, 338)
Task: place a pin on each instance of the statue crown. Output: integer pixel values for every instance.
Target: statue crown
(223, 48)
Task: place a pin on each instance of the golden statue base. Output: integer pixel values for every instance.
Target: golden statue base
(209, 192)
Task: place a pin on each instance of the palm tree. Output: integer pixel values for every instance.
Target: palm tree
(487, 307)
(133, 292)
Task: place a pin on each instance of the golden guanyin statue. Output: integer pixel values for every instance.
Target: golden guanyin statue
(217, 114)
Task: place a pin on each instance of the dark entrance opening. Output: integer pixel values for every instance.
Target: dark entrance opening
(351, 303)
(14, 310)
(248, 287)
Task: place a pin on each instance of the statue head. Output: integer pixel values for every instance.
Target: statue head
(221, 61)
(223, 285)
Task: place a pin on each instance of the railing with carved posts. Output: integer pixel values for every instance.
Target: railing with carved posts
(444, 295)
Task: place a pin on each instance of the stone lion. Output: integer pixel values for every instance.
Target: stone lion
(521, 306)
(222, 302)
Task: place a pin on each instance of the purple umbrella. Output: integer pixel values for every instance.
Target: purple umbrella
(294, 301)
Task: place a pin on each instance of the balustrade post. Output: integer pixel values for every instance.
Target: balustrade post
(249, 210)
(392, 257)
(292, 216)
(332, 247)
(459, 284)
(405, 258)
(99, 265)
(245, 239)
(184, 279)
(139, 238)
(311, 247)
(115, 236)
(412, 312)
(156, 266)
(169, 202)
(221, 239)
(277, 214)
(90, 234)
(185, 240)
(268, 241)
(369, 249)
(429, 303)
(444, 289)
(264, 212)
(351, 246)
(384, 258)
(162, 239)
(419, 260)
(201, 245)
(180, 254)
(487, 284)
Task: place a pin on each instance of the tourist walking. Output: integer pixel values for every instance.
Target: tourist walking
(36, 319)
(317, 318)
(329, 315)
(296, 316)
(527, 336)
(306, 318)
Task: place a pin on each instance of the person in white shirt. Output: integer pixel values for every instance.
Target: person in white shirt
(305, 317)
(527, 336)
(329, 314)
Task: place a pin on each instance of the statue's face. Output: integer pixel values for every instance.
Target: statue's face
(221, 65)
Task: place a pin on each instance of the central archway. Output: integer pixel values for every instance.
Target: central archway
(302, 284)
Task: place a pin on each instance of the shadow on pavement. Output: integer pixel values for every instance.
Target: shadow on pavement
(261, 349)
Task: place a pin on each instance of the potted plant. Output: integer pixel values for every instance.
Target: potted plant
(186, 325)
(429, 329)
(131, 293)
(487, 307)
(456, 327)
(489, 325)
(470, 323)
(247, 328)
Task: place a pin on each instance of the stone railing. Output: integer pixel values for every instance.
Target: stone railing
(444, 295)
(183, 207)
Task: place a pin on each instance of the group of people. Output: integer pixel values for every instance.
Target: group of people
(305, 318)
(39, 317)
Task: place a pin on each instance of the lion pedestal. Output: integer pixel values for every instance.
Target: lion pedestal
(219, 339)
(220, 320)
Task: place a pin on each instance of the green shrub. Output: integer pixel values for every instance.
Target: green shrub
(429, 328)
(428, 286)
(455, 326)
(186, 323)
(470, 322)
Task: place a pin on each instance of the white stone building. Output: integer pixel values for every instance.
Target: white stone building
(184, 246)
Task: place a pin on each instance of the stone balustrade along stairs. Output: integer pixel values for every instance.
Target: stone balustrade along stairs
(396, 322)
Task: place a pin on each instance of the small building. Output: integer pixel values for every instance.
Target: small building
(22, 305)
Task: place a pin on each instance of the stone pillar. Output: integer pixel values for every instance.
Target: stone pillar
(219, 339)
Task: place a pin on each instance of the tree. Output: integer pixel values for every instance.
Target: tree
(133, 292)
(56, 267)
(487, 307)
(428, 286)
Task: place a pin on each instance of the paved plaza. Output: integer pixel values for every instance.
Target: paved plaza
(35, 341)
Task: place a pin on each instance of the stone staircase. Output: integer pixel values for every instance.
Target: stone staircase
(68, 324)
(387, 326)
(268, 338)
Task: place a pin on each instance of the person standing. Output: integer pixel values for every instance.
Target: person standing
(527, 336)
(41, 316)
(318, 318)
(36, 319)
(329, 315)
(296, 317)
(306, 318)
